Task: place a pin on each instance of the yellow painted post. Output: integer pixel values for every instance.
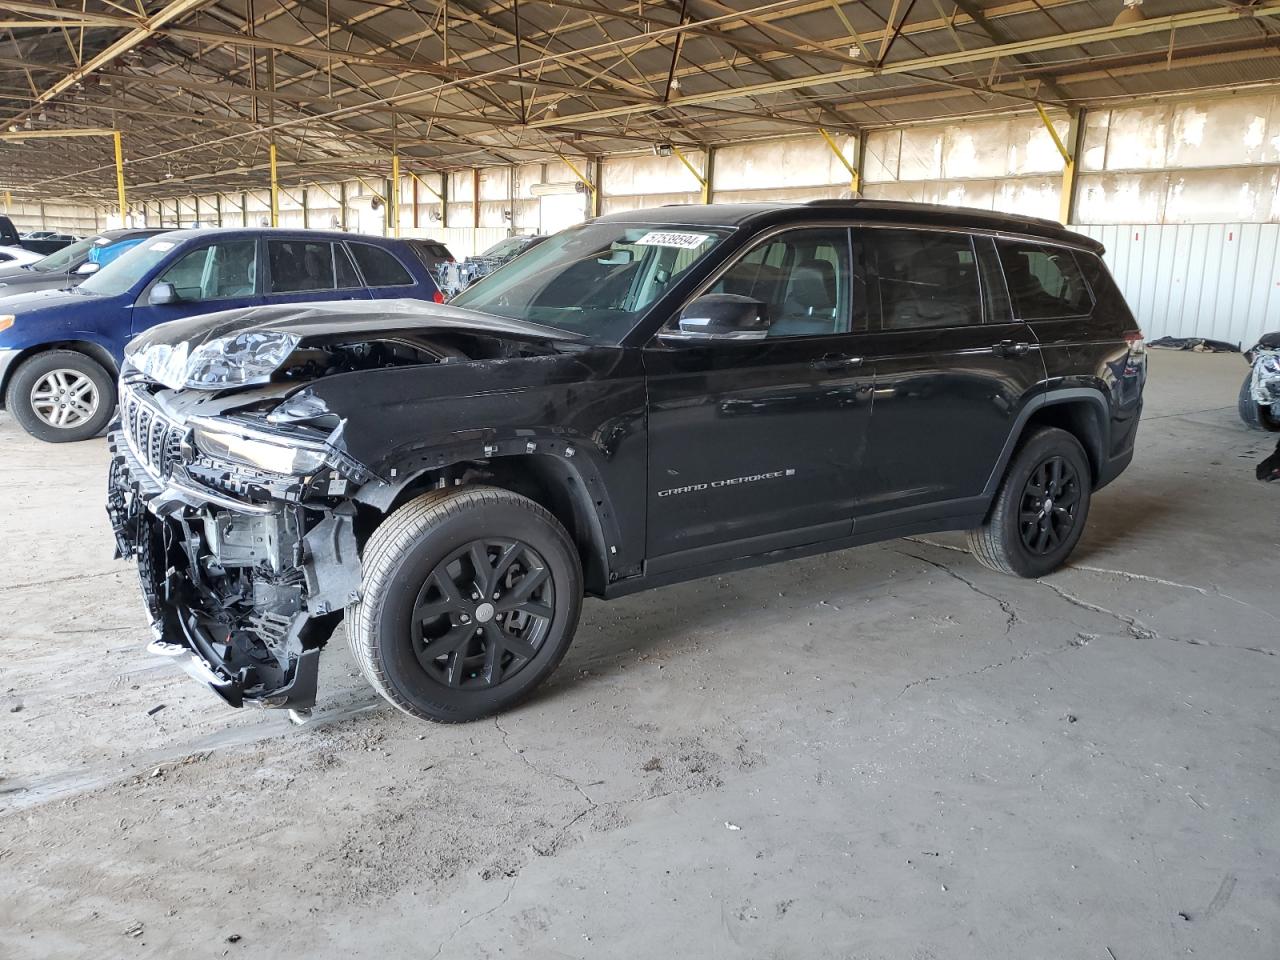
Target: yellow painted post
(275, 189)
(1068, 166)
(582, 178)
(395, 193)
(855, 179)
(704, 179)
(120, 176)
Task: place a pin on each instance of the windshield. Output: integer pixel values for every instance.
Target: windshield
(123, 273)
(61, 260)
(595, 279)
(504, 248)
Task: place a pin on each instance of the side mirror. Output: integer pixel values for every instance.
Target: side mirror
(723, 316)
(88, 268)
(163, 293)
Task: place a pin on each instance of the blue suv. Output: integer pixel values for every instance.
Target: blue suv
(60, 350)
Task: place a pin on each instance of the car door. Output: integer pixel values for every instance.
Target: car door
(218, 275)
(951, 369)
(302, 269)
(754, 444)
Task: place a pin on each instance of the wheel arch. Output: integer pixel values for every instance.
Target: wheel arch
(1082, 411)
(574, 496)
(94, 351)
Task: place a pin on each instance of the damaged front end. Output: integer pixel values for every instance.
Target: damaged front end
(243, 536)
(1264, 384)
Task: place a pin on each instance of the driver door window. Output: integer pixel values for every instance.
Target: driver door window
(215, 272)
(803, 278)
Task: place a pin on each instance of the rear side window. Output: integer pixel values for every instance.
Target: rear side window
(918, 279)
(299, 266)
(1045, 283)
(379, 267)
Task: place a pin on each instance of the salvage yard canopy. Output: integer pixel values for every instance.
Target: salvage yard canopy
(201, 89)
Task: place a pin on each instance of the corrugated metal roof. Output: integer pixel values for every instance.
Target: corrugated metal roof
(477, 82)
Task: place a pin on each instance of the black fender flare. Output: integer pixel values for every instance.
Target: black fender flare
(1054, 396)
(548, 458)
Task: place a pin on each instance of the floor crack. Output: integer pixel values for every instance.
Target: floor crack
(472, 919)
(1133, 625)
(984, 669)
(506, 742)
(1011, 615)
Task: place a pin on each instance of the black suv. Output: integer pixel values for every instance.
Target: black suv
(647, 398)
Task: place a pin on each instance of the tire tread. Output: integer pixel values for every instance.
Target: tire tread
(387, 546)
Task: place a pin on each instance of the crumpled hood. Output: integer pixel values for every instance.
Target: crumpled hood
(328, 321)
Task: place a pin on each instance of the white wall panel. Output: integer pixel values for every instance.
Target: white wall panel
(1214, 280)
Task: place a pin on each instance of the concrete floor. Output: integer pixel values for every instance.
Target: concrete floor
(888, 752)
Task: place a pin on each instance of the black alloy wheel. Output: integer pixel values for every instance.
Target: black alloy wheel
(470, 597)
(483, 613)
(1040, 509)
(1049, 502)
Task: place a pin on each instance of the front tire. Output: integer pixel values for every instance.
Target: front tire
(1040, 511)
(471, 597)
(1254, 415)
(61, 396)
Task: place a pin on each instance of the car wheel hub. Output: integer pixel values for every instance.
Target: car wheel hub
(1050, 500)
(64, 398)
(472, 645)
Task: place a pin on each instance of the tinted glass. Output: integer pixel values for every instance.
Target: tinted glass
(215, 272)
(1044, 282)
(62, 259)
(595, 279)
(801, 276)
(379, 267)
(344, 269)
(919, 278)
(298, 266)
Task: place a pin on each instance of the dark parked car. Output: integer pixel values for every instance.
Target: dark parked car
(60, 350)
(72, 264)
(647, 398)
(47, 244)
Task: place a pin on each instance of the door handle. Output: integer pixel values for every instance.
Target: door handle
(835, 361)
(1007, 348)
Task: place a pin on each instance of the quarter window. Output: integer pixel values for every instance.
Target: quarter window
(1044, 282)
(802, 278)
(215, 272)
(379, 267)
(920, 278)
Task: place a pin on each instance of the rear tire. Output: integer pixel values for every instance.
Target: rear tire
(1255, 415)
(471, 597)
(61, 396)
(1041, 508)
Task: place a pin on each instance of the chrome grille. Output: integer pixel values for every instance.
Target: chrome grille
(154, 439)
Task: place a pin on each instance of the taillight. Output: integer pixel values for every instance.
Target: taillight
(1137, 344)
(438, 297)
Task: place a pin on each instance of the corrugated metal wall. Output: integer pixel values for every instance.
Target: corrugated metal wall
(1214, 280)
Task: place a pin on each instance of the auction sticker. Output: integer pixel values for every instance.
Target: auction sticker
(668, 238)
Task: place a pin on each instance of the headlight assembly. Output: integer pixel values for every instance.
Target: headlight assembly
(236, 361)
(240, 360)
(288, 457)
